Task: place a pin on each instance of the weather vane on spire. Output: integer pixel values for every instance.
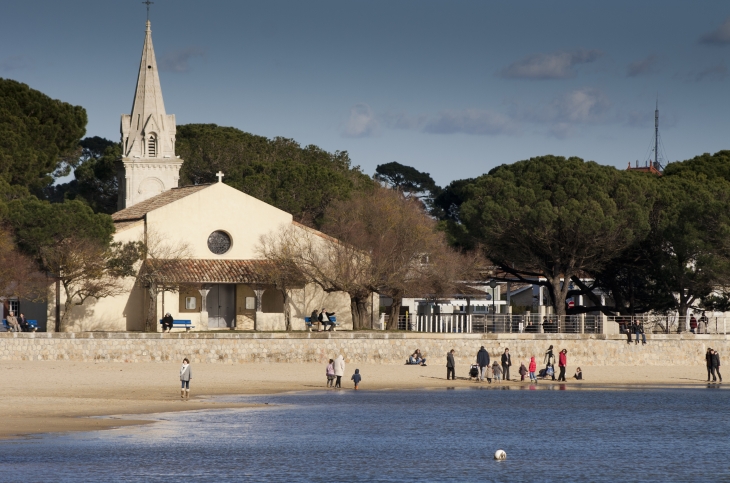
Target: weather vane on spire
(148, 3)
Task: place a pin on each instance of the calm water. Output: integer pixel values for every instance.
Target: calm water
(437, 435)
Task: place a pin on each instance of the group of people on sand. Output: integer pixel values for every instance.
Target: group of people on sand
(712, 358)
(486, 369)
(336, 369)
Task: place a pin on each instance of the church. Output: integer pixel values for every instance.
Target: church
(220, 281)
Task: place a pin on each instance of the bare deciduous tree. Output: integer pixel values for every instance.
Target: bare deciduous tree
(19, 275)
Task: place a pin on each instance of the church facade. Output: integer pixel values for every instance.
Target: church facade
(220, 281)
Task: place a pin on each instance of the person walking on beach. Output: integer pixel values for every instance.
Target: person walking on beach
(716, 365)
(562, 362)
(482, 362)
(522, 371)
(497, 372)
(356, 378)
(339, 370)
(708, 362)
(185, 375)
(506, 363)
(330, 371)
(550, 362)
(532, 368)
(450, 365)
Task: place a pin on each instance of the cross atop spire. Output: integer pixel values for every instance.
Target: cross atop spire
(148, 3)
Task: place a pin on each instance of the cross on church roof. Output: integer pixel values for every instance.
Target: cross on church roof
(148, 3)
(220, 176)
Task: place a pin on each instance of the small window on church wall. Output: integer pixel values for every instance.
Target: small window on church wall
(152, 147)
(190, 303)
(219, 242)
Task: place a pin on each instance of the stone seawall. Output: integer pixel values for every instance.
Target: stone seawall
(377, 347)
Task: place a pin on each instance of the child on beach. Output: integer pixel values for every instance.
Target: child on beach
(522, 371)
(532, 369)
(497, 372)
(330, 373)
(185, 375)
(578, 374)
(356, 378)
(488, 374)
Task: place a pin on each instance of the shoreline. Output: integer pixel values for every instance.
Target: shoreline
(64, 396)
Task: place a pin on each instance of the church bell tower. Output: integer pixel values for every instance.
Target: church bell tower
(148, 165)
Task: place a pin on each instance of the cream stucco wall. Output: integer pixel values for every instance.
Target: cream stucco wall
(192, 219)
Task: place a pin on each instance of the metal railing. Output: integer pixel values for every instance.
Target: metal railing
(672, 324)
(502, 324)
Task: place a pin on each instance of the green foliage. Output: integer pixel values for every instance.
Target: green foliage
(301, 181)
(711, 165)
(39, 224)
(95, 180)
(38, 135)
(555, 217)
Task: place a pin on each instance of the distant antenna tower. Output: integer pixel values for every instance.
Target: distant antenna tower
(654, 159)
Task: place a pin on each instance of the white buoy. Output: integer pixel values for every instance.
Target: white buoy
(500, 455)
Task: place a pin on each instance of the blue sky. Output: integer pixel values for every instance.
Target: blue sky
(453, 88)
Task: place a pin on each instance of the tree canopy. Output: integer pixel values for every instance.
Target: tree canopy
(555, 217)
(38, 135)
(300, 180)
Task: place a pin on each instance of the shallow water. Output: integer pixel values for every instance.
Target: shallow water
(646, 434)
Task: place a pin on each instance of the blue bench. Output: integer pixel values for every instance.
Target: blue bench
(33, 324)
(181, 324)
(308, 322)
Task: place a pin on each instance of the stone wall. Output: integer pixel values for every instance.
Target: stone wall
(377, 347)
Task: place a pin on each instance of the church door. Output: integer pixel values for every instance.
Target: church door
(221, 303)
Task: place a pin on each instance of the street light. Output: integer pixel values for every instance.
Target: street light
(493, 285)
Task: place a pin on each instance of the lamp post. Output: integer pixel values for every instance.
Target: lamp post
(493, 285)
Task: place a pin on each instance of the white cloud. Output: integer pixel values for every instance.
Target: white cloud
(643, 66)
(556, 65)
(585, 105)
(719, 36)
(361, 123)
(470, 121)
(179, 60)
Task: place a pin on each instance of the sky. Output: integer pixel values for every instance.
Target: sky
(453, 88)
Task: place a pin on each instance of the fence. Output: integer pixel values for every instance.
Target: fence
(672, 324)
(502, 324)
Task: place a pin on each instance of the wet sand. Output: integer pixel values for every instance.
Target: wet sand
(43, 397)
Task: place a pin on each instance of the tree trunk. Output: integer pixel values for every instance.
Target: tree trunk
(394, 312)
(559, 294)
(151, 308)
(66, 309)
(358, 309)
(287, 311)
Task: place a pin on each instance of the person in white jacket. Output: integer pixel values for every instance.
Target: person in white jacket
(339, 370)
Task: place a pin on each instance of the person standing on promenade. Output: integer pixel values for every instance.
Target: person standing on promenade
(639, 329)
(716, 365)
(562, 362)
(550, 361)
(450, 365)
(506, 363)
(185, 375)
(330, 371)
(339, 370)
(532, 368)
(708, 362)
(693, 324)
(482, 362)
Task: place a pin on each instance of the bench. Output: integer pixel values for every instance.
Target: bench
(308, 322)
(33, 324)
(181, 324)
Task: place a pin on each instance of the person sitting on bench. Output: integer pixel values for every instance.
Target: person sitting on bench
(167, 322)
(324, 318)
(23, 323)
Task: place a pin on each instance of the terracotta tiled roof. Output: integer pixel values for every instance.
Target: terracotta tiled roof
(139, 210)
(214, 271)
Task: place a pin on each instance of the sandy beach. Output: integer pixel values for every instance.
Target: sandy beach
(42, 397)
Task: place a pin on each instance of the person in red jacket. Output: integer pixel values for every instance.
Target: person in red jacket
(562, 362)
(532, 368)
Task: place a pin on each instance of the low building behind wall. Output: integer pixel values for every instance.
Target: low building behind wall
(372, 347)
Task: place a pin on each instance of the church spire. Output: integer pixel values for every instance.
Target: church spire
(149, 165)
